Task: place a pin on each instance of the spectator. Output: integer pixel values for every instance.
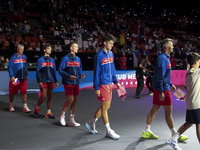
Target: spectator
(57, 47)
(7, 60)
(122, 61)
(173, 61)
(24, 32)
(2, 62)
(180, 65)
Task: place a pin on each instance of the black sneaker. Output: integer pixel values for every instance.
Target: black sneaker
(137, 96)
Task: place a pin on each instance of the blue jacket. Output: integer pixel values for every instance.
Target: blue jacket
(46, 70)
(70, 66)
(104, 69)
(17, 67)
(162, 73)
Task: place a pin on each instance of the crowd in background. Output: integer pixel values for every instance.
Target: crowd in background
(136, 27)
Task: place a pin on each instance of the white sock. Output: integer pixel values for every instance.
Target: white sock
(108, 127)
(93, 121)
(176, 136)
(71, 115)
(48, 111)
(25, 104)
(147, 128)
(63, 113)
(173, 131)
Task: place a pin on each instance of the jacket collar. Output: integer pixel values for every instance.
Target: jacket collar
(105, 51)
(70, 56)
(165, 54)
(46, 58)
(18, 55)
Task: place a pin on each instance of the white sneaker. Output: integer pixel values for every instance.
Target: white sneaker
(11, 109)
(62, 120)
(26, 109)
(73, 123)
(91, 128)
(173, 144)
(113, 135)
(151, 94)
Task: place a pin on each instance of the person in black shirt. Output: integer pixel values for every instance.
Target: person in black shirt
(149, 76)
(141, 70)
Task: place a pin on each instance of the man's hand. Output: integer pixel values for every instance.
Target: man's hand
(57, 85)
(97, 92)
(82, 76)
(73, 77)
(146, 69)
(27, 78)
(40, 85)
(173, 88)
(118, 86)
(13, 79)
(161, 96)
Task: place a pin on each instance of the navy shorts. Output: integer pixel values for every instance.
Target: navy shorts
(193, 116)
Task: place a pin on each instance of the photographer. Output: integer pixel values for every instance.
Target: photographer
(149, 76)
(140, 72)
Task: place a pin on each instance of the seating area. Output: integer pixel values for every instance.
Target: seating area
(137, 27)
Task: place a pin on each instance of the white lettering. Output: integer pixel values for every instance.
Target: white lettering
(121, 76)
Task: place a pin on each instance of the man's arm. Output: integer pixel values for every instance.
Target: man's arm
(97, 67)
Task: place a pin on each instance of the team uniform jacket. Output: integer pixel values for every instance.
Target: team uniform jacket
(17, 67)
(162, 73)
(70, 66)
(46, 70)
(104, 69)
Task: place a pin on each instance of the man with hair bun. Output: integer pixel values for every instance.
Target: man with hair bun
(161, 89)
(17, 68)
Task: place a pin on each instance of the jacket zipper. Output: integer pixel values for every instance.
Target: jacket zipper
(21, 66)
(74, 70)
(110, 68)
(48, 70)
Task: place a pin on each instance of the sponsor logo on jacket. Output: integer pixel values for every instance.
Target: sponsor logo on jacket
(72, 63)
(20, 61)
(46, 64)
(107, 60)
(169, 65)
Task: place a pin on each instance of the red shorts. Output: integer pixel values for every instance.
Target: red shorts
(13, 89)
(71, 89)
(167, 99)
(48, 85)
(106, 92)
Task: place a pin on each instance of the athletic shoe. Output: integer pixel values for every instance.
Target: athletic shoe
(50, 115)
(26, 109)
(151, 94)
(62, 120)
(149, 135)
(11, 109)
(113, 135)
(137, 96)
(173, 144)
(36, 112)
(73, 123)
(91, 128)
(182, 138)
